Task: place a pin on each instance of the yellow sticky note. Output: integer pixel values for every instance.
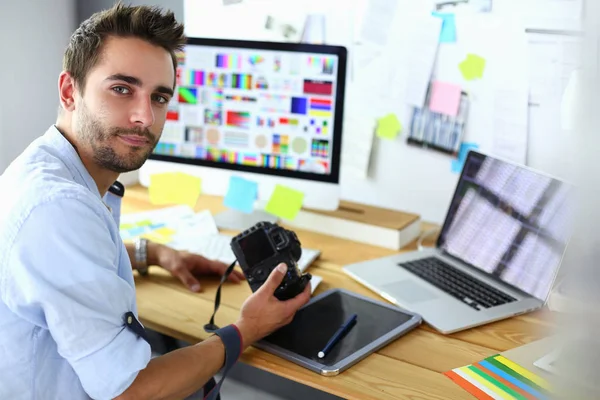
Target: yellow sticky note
(285, 202)
(174, 188)
(472, 67)
(388, 127)
(126, 226)
(156, 238)
(164, 231)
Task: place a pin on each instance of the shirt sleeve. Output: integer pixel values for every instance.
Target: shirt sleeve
(63, 276)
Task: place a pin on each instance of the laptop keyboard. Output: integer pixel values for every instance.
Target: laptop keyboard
(458, 284)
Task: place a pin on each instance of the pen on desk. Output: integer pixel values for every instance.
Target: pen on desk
(338, 335)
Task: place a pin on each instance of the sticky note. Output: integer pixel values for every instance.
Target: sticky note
(241, 194)
(388, 127)
(164, 231)
(445, 98)
(458, 164)
(174, 188)
(448, 32)
(156, 238)
(285, 202)
(472, 67)
(145, 222)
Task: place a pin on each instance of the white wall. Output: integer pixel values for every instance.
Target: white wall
(34, 35)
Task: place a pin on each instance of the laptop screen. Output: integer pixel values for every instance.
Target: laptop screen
(510, 222)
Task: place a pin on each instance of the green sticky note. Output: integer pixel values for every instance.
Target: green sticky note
(388, 127)
(472, 67)
(285, 202)
(174, 188)
(145, 222)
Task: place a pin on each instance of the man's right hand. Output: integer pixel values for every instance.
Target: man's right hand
(263, 313)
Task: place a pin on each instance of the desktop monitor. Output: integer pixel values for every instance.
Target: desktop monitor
(265, 111)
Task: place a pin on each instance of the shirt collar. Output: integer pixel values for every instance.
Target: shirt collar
(71, 158)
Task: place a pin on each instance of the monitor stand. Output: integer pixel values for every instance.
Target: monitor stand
(238, 221)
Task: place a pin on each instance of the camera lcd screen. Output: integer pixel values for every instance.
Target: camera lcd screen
(256, 247)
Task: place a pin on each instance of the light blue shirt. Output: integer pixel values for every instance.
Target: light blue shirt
(65, 281)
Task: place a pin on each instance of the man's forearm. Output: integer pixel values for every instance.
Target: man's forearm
(179, 373)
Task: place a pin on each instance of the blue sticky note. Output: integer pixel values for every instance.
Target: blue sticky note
(448, 32)
(458, 164)
(241, 194)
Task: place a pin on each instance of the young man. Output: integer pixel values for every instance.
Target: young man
(66, 281)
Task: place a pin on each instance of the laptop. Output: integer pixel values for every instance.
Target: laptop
(497, 255)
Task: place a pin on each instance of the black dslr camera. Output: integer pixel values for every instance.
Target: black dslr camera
(264, 246)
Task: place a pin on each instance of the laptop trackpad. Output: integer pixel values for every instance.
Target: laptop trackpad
(409, 291)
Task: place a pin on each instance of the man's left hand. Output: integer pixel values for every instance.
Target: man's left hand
(188, 266)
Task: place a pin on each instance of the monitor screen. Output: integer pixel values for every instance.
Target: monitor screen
(509, 221)
(264, 107)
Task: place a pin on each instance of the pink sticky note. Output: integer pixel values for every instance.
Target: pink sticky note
(445, 98)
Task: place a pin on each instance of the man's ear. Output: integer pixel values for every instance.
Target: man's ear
(66, 91)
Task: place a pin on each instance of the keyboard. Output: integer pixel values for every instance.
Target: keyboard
(218, 247)
(474, 293)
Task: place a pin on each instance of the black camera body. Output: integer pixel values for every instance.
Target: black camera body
(261, 248)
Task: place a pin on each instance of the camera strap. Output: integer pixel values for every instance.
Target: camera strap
(211, 327)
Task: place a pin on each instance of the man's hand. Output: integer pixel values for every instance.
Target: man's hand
(188, 266)
(263, 313)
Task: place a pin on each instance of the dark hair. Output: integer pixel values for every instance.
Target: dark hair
(151, 24)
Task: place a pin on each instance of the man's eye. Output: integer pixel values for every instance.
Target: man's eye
(121, 89)
(161, 99)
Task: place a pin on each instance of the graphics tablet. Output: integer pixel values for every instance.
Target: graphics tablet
(377, 325)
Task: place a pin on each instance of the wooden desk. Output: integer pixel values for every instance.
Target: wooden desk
(410, 368)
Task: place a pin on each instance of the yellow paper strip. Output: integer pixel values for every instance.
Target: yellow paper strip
(522, 371)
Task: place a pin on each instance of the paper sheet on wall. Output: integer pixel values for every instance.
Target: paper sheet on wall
(412, 47)
(511, 95)
(551, 14)
(358, 134)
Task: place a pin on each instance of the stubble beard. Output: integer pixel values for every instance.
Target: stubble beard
(99, 138)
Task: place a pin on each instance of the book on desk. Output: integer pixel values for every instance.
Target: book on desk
(362, 223)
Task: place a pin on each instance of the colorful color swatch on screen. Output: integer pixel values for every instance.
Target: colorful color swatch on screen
(238, 119)
(191, 77)
(324, 64)
(242, 99)
(188, 95)
(320, 107)
(215, 80)
(272, 161)
(319, 148)
(318, 87)
(241, 81)
(281, 144)
(261, 83)
(236, 139)
(250, 159)
(213, 117)
(299, 105)
(256, 60)
(264, 122)
(194, 134)
(168, 149)
(180, 56)
(497, 377)
(172, 115)
(288, 121)
(230, 61)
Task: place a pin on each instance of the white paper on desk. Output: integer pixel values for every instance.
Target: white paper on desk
(159, 216)
(197, 225)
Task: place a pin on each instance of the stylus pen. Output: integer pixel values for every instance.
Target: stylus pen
(338, 335)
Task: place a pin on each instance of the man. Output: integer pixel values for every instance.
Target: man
(66, 281)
